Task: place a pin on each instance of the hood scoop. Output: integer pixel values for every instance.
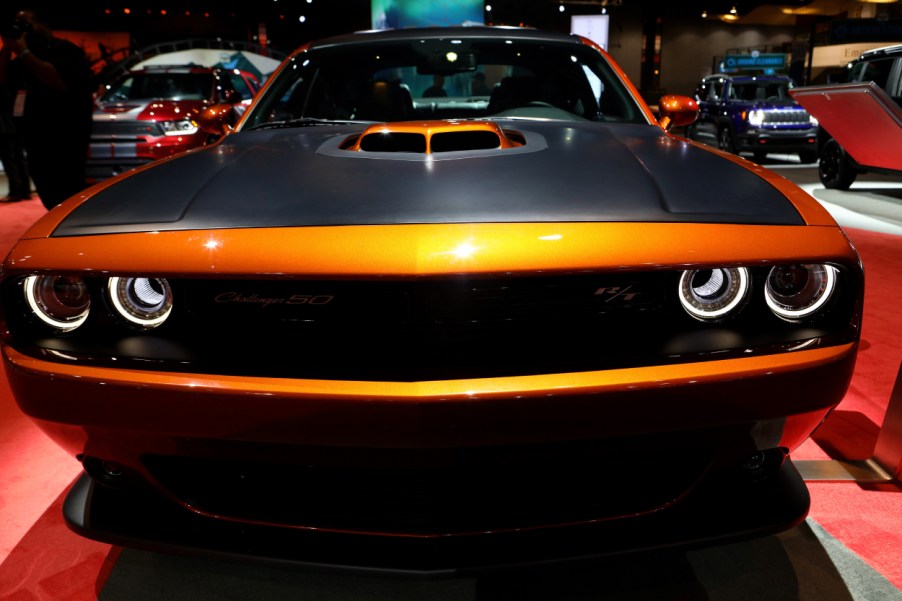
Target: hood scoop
(430, 141)
(433, 137)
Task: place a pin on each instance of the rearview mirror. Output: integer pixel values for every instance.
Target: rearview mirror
(448, 63)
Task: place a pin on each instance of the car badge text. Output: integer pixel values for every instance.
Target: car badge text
(267, 301)
(617, 293)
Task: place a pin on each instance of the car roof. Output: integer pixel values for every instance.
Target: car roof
(438, 33)
(882, 51)
(174, 69)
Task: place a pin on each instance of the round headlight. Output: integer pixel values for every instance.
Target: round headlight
(794, 292)
(60, 301)
(145, 302)
(713, 293)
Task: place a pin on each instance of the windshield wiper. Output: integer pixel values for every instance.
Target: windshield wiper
(303, 122)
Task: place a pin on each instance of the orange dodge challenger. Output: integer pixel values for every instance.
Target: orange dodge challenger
(513, 320)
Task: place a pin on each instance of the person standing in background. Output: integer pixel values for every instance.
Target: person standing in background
(12, 155)
(54, 99)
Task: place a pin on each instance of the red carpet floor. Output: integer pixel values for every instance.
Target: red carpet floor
(41, 559)
(866, 518)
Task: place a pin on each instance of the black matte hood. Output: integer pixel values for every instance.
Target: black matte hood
(579, 172)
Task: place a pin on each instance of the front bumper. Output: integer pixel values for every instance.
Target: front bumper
(776, 140)
(436, 476)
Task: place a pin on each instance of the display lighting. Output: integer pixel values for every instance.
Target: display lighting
(796, 292)
(711, 294)
(733, 10)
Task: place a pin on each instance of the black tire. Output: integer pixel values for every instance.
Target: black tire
(725, 140)
(835, 168)
(808, 156)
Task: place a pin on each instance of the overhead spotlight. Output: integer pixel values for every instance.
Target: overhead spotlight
(561, 7)
(733, 10)
(604, 10)
(704, 14)
(488, 8)
(302, 19)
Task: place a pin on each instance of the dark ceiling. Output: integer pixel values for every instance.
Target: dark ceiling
(152, 21)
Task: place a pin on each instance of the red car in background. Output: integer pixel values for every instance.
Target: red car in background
(148, 114)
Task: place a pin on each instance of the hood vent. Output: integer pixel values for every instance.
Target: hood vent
(430, 141)
(433, 137)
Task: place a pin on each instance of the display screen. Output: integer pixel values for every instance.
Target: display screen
(396, 14)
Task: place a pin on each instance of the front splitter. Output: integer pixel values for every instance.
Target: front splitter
(724, 508)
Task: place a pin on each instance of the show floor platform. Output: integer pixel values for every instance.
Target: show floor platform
(849, 548)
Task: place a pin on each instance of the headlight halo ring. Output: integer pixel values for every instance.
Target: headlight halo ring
(819, 286)
(38, 289)
(141, 301)
(723, 292)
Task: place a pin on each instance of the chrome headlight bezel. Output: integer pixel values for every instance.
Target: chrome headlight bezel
(722, 294)
(141, 301)
(819, 286)
(47, 304)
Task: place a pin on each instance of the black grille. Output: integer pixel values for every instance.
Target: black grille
(434, 491)
(422, 304)
(422, 329)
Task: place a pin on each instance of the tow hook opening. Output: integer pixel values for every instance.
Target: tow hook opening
(108, 473)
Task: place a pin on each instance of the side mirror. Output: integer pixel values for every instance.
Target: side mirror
(677, 110)
(217, 120)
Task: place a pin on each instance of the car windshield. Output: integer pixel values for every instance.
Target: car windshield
(161, 86)
(447, 79)
(761, 90)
